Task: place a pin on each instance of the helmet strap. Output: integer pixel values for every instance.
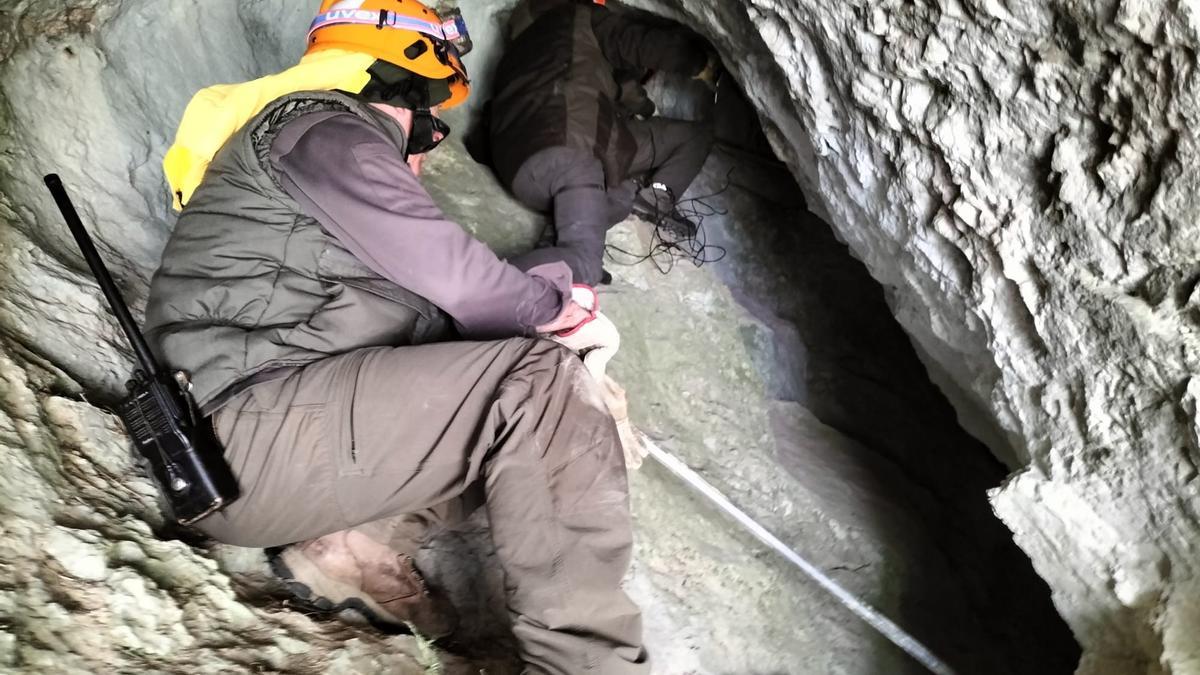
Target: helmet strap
(427, 132)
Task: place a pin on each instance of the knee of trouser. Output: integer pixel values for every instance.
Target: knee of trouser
(548, 364)
(581, 206)
(545, 357)
(582, 169)
(533, 201)
(556, 369)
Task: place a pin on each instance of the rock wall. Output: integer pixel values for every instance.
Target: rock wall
(1018, 177)
(91, 578)
(1012, 174)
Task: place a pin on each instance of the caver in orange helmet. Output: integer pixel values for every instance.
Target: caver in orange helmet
(405, 33)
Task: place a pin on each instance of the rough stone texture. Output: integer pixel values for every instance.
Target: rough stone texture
(1016, 175)
(754, 370)
(86, 586)
(1012, 174)
(703, 363)
(91, 580)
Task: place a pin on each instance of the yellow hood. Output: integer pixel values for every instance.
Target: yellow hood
(216, 113)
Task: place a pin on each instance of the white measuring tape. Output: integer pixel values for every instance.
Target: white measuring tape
(879, 622)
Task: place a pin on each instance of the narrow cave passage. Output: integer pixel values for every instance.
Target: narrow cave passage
(860, 457)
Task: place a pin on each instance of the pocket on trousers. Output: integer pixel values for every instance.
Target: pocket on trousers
(339, 413)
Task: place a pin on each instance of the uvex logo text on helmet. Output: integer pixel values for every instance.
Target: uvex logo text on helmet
(378, 19)
(345, 14)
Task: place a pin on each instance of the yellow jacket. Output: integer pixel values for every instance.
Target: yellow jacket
(215, 113)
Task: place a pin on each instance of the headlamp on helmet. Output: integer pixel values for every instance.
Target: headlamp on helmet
(454, 27)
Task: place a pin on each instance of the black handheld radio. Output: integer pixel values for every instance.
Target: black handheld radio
(184, 455)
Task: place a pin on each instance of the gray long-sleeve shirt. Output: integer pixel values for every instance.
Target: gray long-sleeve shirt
(355, 182)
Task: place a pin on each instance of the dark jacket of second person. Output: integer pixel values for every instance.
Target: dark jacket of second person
(555, 85)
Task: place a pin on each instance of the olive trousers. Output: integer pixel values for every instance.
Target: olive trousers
(380, 432)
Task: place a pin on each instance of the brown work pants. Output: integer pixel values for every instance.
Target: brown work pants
(379, 432)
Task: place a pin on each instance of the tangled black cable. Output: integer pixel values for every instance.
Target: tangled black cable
(668, 246)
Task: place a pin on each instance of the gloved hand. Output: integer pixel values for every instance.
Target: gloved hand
(631, 443)
(596, 340)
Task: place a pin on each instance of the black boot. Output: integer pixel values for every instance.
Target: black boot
(656, 205)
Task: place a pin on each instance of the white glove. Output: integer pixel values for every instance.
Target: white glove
(596, 340)
(631, 443)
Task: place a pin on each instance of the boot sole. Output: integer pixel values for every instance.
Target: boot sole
(328, 595)
(659, 222)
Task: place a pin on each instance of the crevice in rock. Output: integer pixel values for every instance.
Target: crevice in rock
(903, 465)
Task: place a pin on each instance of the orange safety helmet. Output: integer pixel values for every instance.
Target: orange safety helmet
(404, 33)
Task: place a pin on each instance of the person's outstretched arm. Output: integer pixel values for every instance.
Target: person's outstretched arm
(353, 180)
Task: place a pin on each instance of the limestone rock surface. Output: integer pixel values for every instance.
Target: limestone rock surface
(1019, 177)
(87, 585)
